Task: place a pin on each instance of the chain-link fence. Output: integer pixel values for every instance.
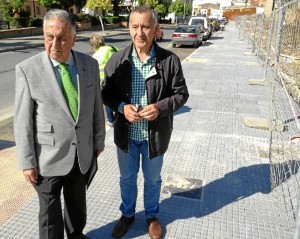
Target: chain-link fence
(275, 40)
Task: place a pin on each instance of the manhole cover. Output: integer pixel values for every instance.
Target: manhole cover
(183, 187)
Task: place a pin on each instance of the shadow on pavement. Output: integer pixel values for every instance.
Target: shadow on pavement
(234, 186)
(183, 109)
(216, 38)
(6, 144)
(207, 43)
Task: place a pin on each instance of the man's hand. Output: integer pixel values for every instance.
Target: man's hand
(150, 112)
(131, 113)
(98, 152)
(31, 175)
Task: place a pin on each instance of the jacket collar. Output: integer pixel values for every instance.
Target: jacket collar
(129, 49)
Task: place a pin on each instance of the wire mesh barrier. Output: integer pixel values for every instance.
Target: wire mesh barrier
(275, 40)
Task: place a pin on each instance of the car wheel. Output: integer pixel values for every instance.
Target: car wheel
(173, 45)
(196, 45)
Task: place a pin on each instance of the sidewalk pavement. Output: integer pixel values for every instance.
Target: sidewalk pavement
(215, 183)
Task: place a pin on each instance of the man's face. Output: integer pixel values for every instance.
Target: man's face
(58, 39)
(142, 30)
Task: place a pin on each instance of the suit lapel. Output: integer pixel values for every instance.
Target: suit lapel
(48, 74)
(81, 72)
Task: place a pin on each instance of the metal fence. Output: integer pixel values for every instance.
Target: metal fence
(275, 40)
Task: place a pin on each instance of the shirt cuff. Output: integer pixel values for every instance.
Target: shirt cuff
(121, 107)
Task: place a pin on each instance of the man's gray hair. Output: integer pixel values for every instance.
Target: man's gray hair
(63, 15)
(145, 8)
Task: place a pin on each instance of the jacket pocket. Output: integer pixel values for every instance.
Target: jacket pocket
(44, 134)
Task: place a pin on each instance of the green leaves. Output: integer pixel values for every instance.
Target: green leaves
(99, 5)
(181, 8)
(62, 4)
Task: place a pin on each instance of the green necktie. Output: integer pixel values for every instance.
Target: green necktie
(69, 90)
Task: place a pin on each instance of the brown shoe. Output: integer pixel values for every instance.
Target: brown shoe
(154, 229)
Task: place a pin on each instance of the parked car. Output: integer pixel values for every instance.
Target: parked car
(190, 35)
(224, 20)
(159, 34)
(205, 23)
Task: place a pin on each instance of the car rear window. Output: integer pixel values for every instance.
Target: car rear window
(186, 29)
(197, 22)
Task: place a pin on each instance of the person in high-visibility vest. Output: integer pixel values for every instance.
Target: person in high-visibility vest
(102, 54)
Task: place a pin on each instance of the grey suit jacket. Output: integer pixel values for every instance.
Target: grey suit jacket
(46, 135)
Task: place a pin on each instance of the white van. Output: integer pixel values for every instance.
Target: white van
(204, 22)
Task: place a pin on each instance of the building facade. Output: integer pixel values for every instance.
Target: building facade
(38, 11)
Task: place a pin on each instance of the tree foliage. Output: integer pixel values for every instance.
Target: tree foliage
(6, 9)
(62, 4)
(180, 9)
(17, 4)
(12, 11)
(98, 6)
(11, 8)
(151, 3)
(160, 6)
(188, 9)
(80, 3)
(166, 4)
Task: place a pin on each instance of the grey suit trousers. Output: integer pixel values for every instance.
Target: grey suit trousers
(51, 222)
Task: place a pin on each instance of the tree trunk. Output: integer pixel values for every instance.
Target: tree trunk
(116, 8)
(102, 26)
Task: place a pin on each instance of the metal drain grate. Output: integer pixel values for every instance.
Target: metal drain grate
(183, 187)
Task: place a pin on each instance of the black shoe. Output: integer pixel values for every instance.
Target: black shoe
(122, 226)
(81, 236)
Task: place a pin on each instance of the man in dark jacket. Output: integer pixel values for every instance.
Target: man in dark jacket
(145, 85)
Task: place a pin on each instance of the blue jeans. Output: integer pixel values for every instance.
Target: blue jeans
(110, 114)
(129, 164)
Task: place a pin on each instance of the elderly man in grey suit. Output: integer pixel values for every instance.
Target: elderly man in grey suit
(58, 133)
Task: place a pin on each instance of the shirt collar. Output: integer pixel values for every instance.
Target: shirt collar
(69, 61)
(152, 53)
